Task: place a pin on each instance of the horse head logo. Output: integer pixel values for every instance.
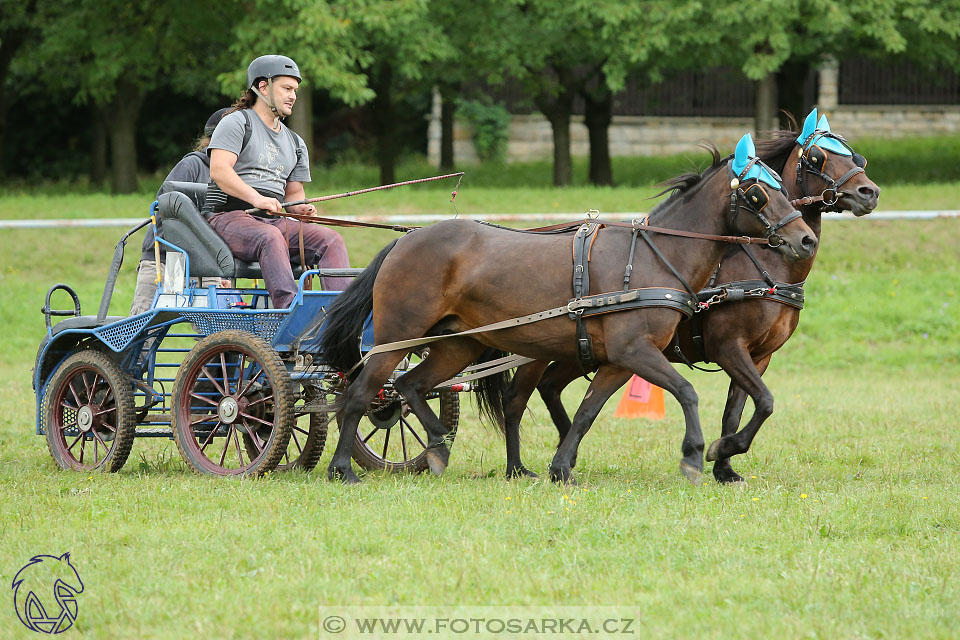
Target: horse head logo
(45, 594)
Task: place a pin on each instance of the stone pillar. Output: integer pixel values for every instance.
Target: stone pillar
(433, 130)
(828, 92)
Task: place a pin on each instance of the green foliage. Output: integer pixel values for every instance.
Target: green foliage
(848, 525)
(490, 125)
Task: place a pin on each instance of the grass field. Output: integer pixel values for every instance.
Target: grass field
(848, 527)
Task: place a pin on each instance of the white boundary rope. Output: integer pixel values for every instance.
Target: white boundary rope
(489, 217)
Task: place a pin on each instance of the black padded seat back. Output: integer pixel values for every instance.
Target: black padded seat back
(185, 227)
(196, 191)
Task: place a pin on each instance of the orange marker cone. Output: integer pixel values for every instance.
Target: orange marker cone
(641, 400)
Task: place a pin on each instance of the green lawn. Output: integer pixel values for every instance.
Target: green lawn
(847, 527)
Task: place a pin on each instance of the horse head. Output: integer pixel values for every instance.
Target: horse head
(42, 583)
(827, 162)
(758, 190)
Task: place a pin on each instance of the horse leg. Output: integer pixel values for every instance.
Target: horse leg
(515, 401)
(745, 374)
(646, 361)
(732, 412)
(355, 404)
(558, 376)
(606, 381)
(447, 359)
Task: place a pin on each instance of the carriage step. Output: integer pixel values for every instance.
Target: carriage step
(154, 432)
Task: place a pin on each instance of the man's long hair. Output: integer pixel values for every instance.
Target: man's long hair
(246, 101)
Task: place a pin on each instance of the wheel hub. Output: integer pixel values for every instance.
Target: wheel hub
(387, 416)
(228, 410)
(85, 418)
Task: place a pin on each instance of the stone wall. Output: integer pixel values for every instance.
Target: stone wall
(531, 138)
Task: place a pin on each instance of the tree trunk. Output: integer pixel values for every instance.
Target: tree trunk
(765, 105)
(448, 108)
(301, 120)
(124, 111)
(598, 114)
(98, 151)
(558, 107)
(384, 123)
(795, 90)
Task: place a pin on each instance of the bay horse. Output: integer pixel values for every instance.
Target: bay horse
(740, 336)
(460, 275)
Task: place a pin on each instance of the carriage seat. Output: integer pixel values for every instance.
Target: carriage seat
(178, 208)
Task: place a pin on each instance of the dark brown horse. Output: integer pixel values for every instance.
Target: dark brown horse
(459, 275)
(739, 336)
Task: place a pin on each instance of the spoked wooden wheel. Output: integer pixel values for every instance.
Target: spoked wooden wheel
(308, 435)
(391, 437)
(89, 414)
(232, 386)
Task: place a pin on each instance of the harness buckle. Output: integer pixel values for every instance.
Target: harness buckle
(574, 312)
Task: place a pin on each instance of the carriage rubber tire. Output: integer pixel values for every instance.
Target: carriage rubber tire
(449, 417)
(281, 385)
(313, 445)
(126, 423)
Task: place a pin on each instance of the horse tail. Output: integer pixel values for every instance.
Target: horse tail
(491, 390)
(339, 344)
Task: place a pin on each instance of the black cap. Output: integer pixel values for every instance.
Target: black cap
(214, 120)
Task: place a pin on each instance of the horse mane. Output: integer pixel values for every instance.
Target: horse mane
(684, 182)
(776, 150)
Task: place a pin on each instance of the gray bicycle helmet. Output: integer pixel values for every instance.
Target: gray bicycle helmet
(213, 121)
(271, 67)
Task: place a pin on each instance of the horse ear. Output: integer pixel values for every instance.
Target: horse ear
(744, 150)
(66, 557)
(823, 125)
(809, 125)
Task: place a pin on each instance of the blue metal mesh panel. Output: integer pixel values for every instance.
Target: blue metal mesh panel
(264, 325)
(117, 336)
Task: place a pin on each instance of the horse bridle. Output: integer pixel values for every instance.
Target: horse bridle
(811, 158)
(755, 199)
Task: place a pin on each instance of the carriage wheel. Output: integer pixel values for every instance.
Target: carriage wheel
(392, 438)
(232, 384)
(308, 435)
(89, 414)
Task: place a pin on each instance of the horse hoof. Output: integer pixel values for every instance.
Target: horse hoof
(436, 462)
(713, 453)
(562, 476)
(729, 477)
(346, 476)
(694, 475)
(520, 472)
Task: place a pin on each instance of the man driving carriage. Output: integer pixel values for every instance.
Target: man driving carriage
(256, 162)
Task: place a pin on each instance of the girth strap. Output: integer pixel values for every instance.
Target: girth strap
(582, 243)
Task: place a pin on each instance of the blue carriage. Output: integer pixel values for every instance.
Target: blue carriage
(240, 386)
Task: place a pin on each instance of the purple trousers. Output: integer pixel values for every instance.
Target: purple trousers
(272, 242)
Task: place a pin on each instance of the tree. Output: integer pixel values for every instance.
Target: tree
(359, 50)
(792, 37)
(16, 27)
(112, 52)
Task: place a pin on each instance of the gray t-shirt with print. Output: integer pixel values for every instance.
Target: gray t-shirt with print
(267, 162)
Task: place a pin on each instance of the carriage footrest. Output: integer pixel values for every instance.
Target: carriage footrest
(154, 432)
